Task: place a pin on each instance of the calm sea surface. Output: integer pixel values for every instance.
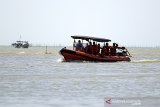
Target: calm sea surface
(31, 78)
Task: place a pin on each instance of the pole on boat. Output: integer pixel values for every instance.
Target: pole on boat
(74, 44)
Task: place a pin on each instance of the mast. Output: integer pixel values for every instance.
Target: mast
(20, 37)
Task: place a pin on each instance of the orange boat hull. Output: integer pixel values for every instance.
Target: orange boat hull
(71, 55)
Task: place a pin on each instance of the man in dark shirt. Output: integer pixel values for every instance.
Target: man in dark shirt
(79, 46)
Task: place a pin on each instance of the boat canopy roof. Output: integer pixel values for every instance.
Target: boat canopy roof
(87, 38)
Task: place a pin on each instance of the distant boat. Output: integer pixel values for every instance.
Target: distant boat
(20, 44)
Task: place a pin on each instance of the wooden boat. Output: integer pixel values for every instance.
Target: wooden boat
(80, 55)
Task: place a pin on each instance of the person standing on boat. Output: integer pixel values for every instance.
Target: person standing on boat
(113, 50)
(105, 50)
(98, 49)
(95, 48)
(79, 46)
(86, 48)
(90, 48)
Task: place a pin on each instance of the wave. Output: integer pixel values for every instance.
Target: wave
(60, 60)
(145, 61)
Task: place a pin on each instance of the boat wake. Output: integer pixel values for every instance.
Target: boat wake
(146, 61)
(21, 52)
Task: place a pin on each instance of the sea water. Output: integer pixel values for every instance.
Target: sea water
(31, 78)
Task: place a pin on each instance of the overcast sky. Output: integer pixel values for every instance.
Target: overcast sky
(52, 22)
